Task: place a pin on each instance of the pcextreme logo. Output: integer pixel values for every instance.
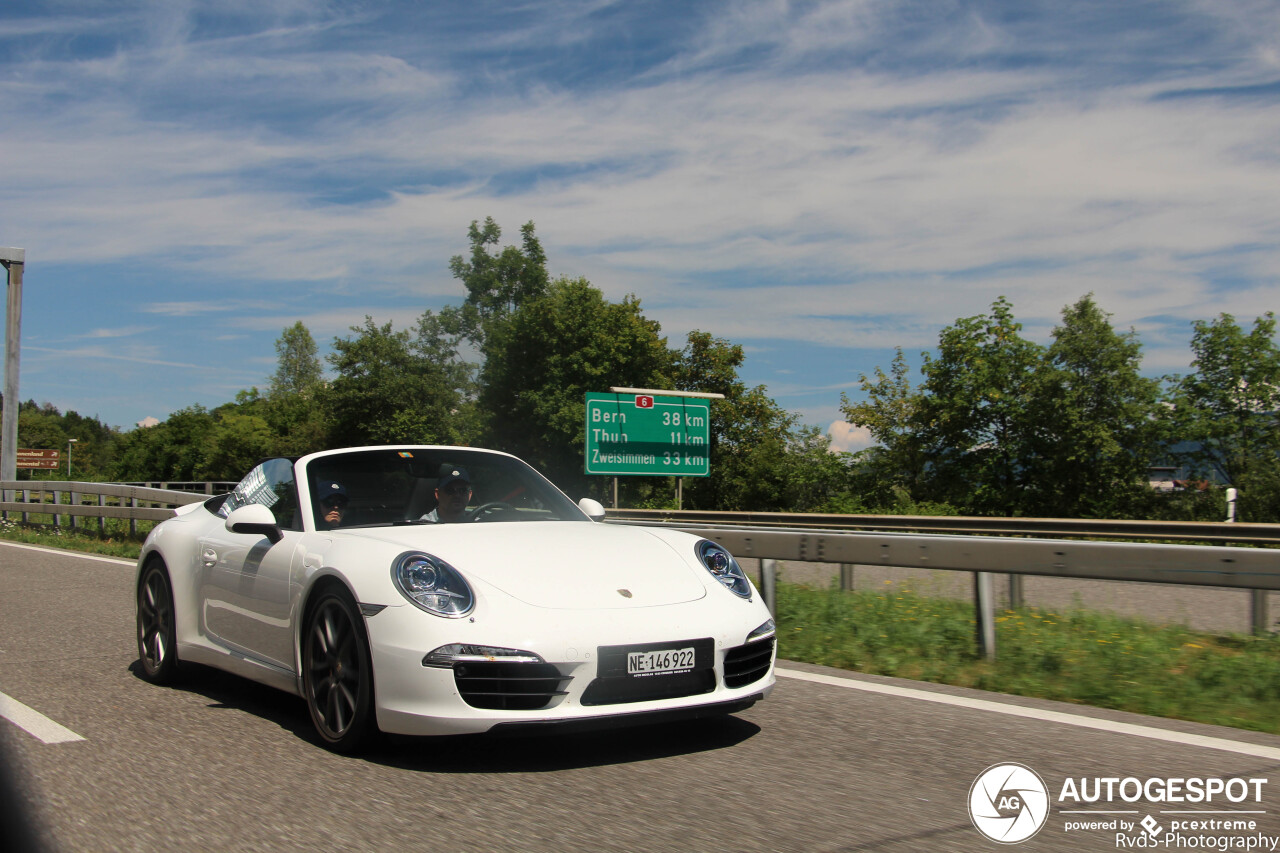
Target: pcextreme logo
(1008, 803)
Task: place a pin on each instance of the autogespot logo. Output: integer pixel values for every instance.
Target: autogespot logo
(1008, 803)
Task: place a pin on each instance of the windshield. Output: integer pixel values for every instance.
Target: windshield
(430, 486)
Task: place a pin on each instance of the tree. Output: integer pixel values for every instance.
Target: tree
(497, 284)
(974, 422)
(543, 359)
(750, 433)
(386, 392)
(299, 372)
(172, 450)
(1001, 425)
(816, 479)
(891, 413)
(1228, 406)
(1093, 420)
(236, 444)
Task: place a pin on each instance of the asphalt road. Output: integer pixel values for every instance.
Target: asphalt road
(223, 764)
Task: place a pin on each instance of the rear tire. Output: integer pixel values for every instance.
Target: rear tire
(157, 631)
(337, 672)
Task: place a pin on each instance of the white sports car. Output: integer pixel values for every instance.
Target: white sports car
(447, 590)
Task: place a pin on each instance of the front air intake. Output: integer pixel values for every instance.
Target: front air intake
(501, 686)
(746, 664)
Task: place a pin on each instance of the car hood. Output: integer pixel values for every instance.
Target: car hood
(560, 565)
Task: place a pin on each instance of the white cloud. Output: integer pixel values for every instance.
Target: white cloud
(849, 438)
(841, 173)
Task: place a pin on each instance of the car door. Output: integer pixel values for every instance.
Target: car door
(247, 581)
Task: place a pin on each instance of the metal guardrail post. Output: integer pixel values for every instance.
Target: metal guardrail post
(57, 517)
(846, 576)
(1016, 594)
(769, 584)
(26, 499)
(985, 614)
(1258, 618)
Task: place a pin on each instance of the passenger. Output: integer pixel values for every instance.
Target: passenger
(333, 504)
(453, 493)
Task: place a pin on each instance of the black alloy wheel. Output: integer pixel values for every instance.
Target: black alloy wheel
(337, 673)
(157, 634)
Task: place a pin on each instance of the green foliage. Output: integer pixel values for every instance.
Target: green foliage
(1229, 406)
(543, 359)
(44, 427)
(1093, 426)
(816, 479)
(171, 450)
(299, 372)
(388, 392)
(975, 413)
(1002, 426)
(750, 433)
(997, 424)
(496, 284)
(891, 413)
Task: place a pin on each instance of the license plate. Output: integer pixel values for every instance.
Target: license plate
(660, 660)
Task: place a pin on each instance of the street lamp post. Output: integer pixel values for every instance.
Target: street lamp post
(70, 441)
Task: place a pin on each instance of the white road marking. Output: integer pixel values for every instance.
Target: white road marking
(34, 723)
(62, 553)
(1253, 749)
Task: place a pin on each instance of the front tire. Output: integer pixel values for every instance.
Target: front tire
(337, 672)
(157, 632)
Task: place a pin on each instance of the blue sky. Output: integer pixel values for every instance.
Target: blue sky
(818, 181)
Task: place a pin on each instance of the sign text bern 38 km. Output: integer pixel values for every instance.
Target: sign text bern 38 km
(651, 436)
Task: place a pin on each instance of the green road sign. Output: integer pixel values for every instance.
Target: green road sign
(648, 436)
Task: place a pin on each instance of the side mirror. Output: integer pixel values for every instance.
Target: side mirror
(593, 509)
(254, 518)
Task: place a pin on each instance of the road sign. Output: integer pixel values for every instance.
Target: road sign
(644, 435)
(38, 458)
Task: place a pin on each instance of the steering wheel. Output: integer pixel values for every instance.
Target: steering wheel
(491, 507)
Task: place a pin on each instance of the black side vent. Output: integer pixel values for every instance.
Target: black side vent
(508, 686)
(745, 664)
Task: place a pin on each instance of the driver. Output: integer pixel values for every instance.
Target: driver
(333, 503)
(453, 493)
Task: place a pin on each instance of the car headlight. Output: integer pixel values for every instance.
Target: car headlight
(432, 584)
(724, 568)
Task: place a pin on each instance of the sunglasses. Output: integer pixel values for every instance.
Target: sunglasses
(457, 489)
(335, 503)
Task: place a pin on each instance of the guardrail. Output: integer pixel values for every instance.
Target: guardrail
(106, 500)
(981, 546)
(881, 541)
(1057, 528)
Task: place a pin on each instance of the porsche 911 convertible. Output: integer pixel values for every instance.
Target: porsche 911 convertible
(445, 590)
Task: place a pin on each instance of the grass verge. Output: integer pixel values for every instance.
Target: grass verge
(115, 540)
(1075, 656)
